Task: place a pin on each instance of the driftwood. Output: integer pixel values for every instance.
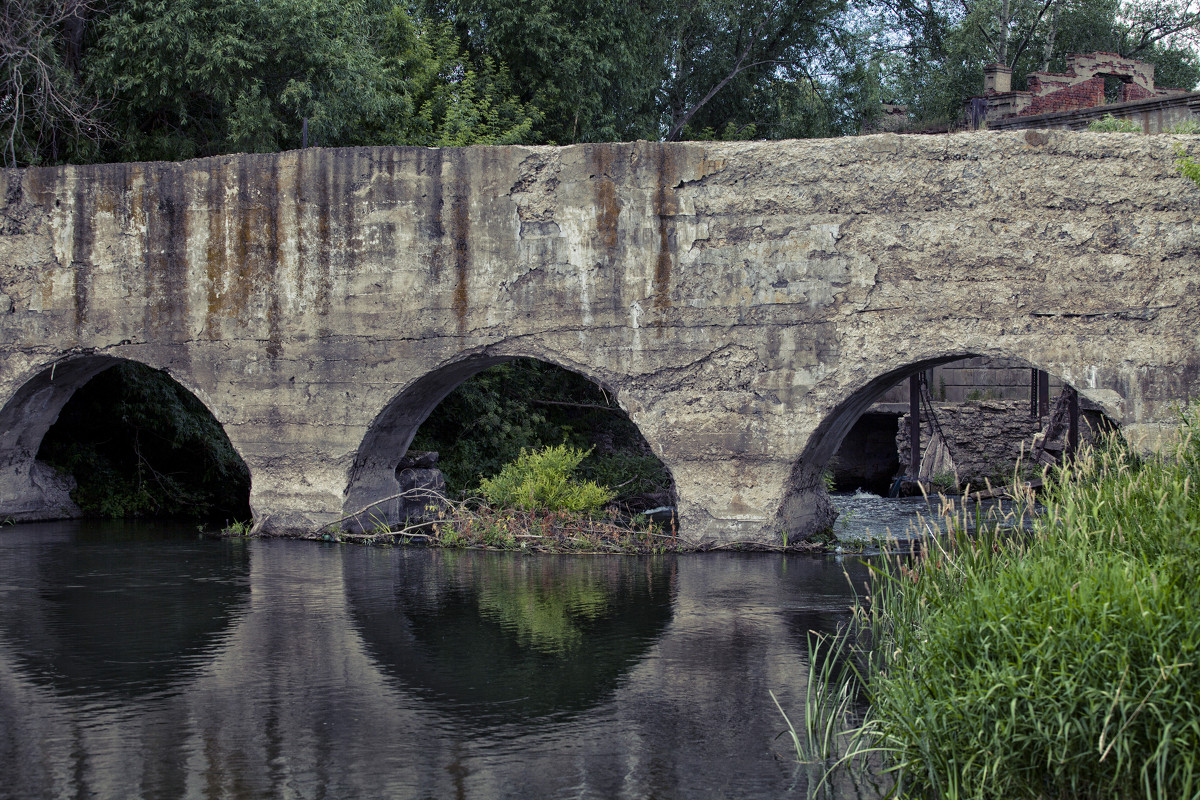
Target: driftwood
(1012, 491)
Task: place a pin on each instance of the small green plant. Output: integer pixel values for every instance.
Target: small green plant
(238, 528)
(945, 481)
(1110, 124)
(1187, 167)
(976, 395)
(1187, 127)
(542, 479)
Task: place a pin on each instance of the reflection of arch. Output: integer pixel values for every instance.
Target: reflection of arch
(373, 476)
(456, 626)
(30, 490)
(806, 476)
(90, 616)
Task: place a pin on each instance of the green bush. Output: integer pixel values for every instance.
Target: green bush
(1187, 127)
(541, 479)
(1110, 124)
(526, 405)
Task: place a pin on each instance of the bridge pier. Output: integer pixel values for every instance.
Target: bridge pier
(295, 492)
(30, 490)
(735, 499)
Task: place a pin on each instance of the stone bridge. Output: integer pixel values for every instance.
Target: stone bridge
(743, 302)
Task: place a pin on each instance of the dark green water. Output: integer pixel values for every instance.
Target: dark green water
(141, 661)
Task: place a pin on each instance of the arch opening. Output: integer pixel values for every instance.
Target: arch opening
(977, 416)
(98, 436)
(465, 421)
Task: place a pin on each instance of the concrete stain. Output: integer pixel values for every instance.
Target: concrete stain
(82, 241)
(608, 204)
(666, 206)
(324, 247)
(431, 170)
(215, 261)
(460, 231)
(164, 256)
(270, 264)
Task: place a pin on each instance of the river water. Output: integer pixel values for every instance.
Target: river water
(138, 660)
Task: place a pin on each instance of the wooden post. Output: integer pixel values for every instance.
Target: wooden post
(914, 426)
(1043, 393)
(1073, 418)
(1033, 391)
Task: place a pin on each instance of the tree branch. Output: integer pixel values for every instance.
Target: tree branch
(738, 68)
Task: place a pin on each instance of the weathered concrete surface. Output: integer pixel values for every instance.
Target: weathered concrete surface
(743, 301)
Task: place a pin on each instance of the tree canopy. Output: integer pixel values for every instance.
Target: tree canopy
(938, 48)
(119, 80)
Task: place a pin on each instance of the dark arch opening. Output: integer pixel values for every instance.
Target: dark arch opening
(477, 414)
(134, 442)
(982, 404)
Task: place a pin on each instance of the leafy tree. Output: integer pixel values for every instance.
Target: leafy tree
(602, 70)
(45, 113)
(592, 67)
(450, 101)
(749, 64)
(197, 77)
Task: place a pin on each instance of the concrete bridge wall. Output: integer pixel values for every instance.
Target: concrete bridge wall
(742, 301)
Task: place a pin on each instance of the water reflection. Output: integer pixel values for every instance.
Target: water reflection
(499, 636)
(121, 607)
(364, 672)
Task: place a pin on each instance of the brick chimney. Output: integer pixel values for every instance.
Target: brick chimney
(996, 78)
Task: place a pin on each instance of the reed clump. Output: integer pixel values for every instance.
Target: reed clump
(1057, 661)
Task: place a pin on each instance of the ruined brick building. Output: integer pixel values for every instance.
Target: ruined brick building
(1093, 85)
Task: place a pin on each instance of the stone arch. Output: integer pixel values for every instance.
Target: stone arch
(29, 489)
(805, 507)
(373, 476)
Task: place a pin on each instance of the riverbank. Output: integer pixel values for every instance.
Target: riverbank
(1062, 663)
(460, 525)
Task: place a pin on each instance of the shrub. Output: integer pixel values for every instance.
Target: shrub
(1064, 662)
(541, 479)
(1110, 124)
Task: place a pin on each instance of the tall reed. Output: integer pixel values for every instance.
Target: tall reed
(1059, 663)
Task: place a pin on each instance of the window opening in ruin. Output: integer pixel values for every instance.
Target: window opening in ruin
(1113, 87)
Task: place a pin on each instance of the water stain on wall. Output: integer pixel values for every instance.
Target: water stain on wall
(430, 170)
(460, 231)
(324, 248)
(608, 204)
(82, 241)
(215, 262)
(666, 206)
(165, 257)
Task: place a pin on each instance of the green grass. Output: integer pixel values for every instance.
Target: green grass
(1110, 124)
(1061, 663)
